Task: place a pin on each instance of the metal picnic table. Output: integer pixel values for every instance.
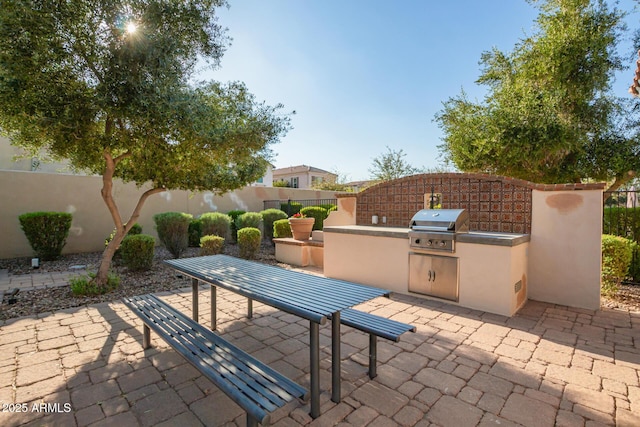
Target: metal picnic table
(311, 297)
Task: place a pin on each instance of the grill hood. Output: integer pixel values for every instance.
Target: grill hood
(443, 220)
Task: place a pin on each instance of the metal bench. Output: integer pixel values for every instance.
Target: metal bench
(375, 326)
(254, 386)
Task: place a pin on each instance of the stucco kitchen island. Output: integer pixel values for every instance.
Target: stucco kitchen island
(492, 267)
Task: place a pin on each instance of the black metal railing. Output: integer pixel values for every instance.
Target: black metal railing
(621, 217)
(291, 206)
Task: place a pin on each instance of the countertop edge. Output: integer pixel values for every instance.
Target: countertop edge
(475, 237)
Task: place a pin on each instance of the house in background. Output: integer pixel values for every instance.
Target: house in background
(266, 180)
(302, 176)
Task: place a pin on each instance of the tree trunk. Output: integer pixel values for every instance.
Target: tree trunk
(122, 228)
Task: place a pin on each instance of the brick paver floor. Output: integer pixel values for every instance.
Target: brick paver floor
(547, 366)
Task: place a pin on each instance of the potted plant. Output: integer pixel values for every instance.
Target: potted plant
(301, 226)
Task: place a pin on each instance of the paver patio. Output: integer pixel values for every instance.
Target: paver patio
(548, 365)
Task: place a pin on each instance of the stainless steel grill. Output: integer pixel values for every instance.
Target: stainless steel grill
(436, 229)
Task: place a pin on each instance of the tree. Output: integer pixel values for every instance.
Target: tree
(391, 165)
(339, 183)
(108, 85)
(549, 115)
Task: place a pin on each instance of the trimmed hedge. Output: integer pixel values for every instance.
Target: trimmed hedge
(211, 245)
(234, 214)
(616, 258)
(291, 208)
(315, 212)
(195, 232)
(249, 219)
(215, 224)
(173, 231)
(137, 251)
(625, 222)
(249, 242)
(282, 229)
(46, 232)
(269, 216)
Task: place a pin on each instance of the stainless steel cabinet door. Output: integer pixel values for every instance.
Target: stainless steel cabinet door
(435, 276)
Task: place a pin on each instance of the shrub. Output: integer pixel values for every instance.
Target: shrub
(137, 251)
(269, 216)
(135, 229)
(173, 231)
(315, 212)
(85, 285)
(291, 208)
(281, 228)
(249, 219)
(234, 214)
(616, 258)
(329, 207)
(249, 242)
(46, 232)
(195, 232)
(215, 224)
(211, 245)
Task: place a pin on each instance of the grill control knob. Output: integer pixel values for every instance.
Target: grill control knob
(417, 241)
(441, 243)
(429, 242)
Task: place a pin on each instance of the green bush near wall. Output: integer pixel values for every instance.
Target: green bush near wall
(46, 232)
(249, 242)
(269, 216)
(317, 212)
(282, 229)
(291, 208)
(211, 245)
(137, 252)
(234, 214)
(173, 231)
(215, 224)
(625, 222)
(249, 219)
(616, 258)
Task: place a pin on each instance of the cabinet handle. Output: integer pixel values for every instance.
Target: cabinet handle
(429, 275)
(434, 275)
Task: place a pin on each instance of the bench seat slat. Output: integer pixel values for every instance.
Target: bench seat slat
(227, 365)
(380, 326)
(257, 388)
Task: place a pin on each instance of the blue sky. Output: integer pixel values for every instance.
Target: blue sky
(366, 74)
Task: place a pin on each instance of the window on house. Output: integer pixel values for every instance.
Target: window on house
(316, 180)
(294, 182)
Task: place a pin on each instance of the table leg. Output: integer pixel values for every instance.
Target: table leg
(194, 299)
(214, 308)
(335, 357)
(314, 345)
(249, 308)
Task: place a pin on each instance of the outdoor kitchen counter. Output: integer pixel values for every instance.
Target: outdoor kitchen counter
(476, 237)
(492, 267)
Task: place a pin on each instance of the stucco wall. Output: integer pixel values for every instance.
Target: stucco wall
(565, 249)
(22, 192)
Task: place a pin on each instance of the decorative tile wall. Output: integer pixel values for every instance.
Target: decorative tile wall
(494, 203)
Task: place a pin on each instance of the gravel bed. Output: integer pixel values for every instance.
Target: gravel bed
(159, 278)
(163, 278)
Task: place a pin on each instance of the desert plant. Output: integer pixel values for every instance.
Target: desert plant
(315, 212)
(46, 232)
(195, 232)
(173, 231)
(281, 228)
(211, 245)
(137, 251)
(269, 216)
(249, 242)
(86, 285)
(249, 219)
(616, 258)
(215, 224)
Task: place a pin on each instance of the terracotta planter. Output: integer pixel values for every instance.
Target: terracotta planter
(301, 227)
